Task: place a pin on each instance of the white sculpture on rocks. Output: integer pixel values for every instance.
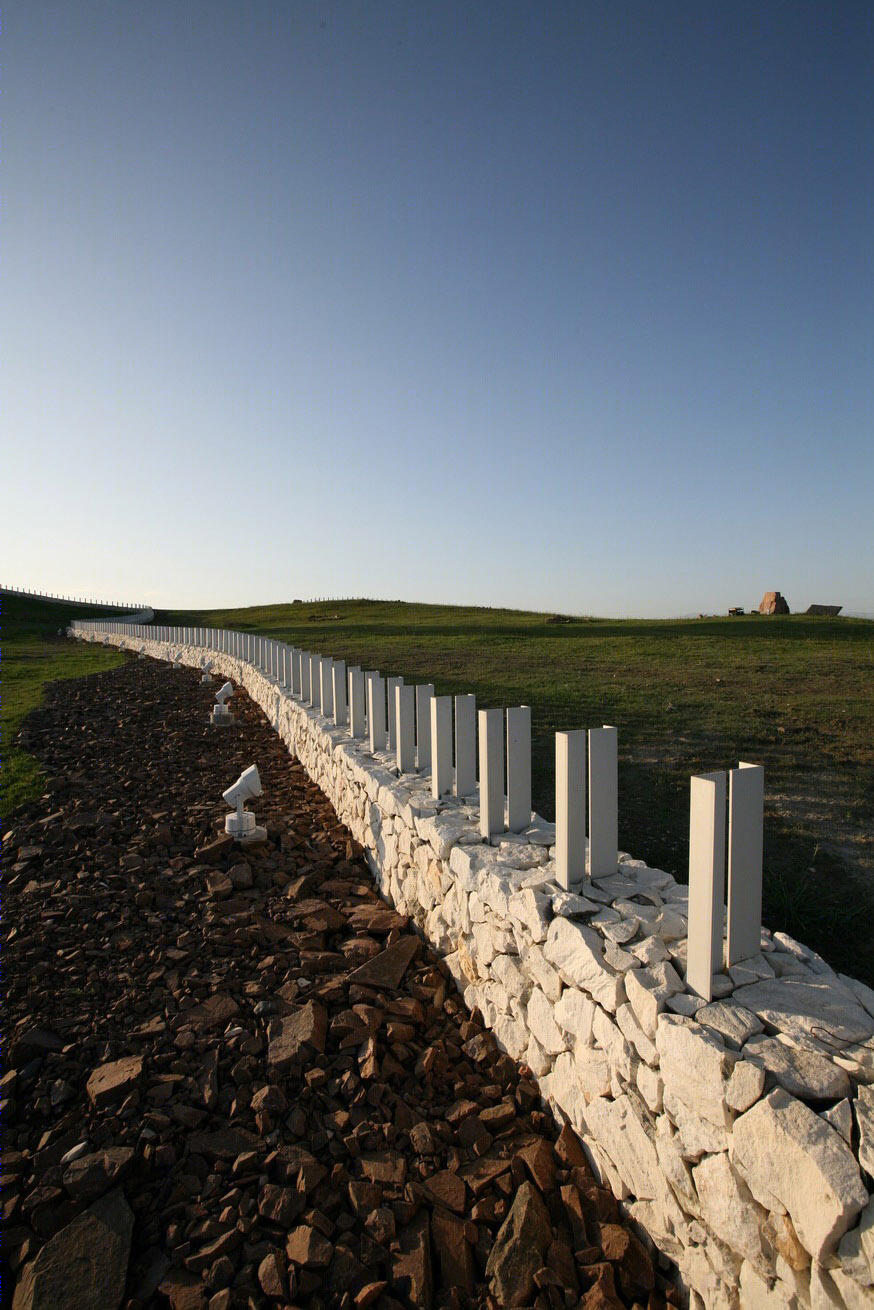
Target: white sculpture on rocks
(241, 825)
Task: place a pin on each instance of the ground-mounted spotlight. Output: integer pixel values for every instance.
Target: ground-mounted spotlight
(207, 675)
(241, 825)
(177, 660)
(142, 648)
(221, 716)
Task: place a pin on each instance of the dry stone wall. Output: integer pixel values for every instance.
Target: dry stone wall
(739, 1134)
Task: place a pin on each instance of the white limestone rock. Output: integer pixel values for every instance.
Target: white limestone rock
(745, 1086)
(651, 1088)
(623, 1130)
(542, 1024)
(783, 1150)
(685, 1003)
(697, 1135)
(668, 1146)
(617, 958)
(802, 1073)
(577, 953)
(864, 1111)
(853, 1296)
(732, 1022)
(511, 1036)
(632, 1030)
(840, 1117)
(591, 1071)
(728, 1207)
(611, 1041)
(531, 909)
(648, 990)
(695, 1067)
(650, 950)
(540, 971)
(564, 1087)
(505, 968)
(856, 1249)
(795, 1006)
(570, 904)
(575, 1014)
(863, 994)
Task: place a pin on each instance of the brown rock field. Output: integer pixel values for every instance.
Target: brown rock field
(235, 1077)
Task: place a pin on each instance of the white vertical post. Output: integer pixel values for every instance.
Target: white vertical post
(391, 684)
(441, 746)
(357, 713)
(423, 726)
(338, 676)
(376, 711)
(316, 681)
(305, 670)
(603, 801)
(746, 805)
(706, 882)
(465, 745)
(518, 768)
(491, 772)
(570, 807)
(405, 727)
(326, 684)
(295, 672)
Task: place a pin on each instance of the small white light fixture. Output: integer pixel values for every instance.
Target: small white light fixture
(242, 826)
(206, 666)
(221, 716)
(142, 654)
(177, 660)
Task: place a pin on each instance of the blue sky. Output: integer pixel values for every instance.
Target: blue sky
(555, 306)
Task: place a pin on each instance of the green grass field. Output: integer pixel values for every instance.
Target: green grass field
(33, 654)
(792, 693)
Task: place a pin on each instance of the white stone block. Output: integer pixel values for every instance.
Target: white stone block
(326, 686)
(441, 746)
(316, 681)
(465, 745)
(706, 881)
(391, 684)
(491, 772)
(518, 768)
(405, 727)
(338, 691)
(603, 801)
(570, 808)
(746, 799)
(357, 704)
(376, 711)
(305, 671)
(424, 692)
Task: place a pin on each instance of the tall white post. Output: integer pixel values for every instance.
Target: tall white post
(570, 807)
(441, 746)
(603, 801)
(405, 727)
(326, 683)
(295, 672)
(391, 684)
(338, 677)
(376, 711)
(491, 772)
(357, 712)
(706, 882)
(746, 806)
(305, 670)
(423, 725)
(316, 681)
(465, 745)
(518, 768)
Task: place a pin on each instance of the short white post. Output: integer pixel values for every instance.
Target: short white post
(603, 801)
(424, 693)
(338, 678)
(305, 670)
(570, 807)
(405, 727)
(357, 713)
(326, 683)
(519, 768)
(465, 745)
(316, 681)
(491, 772)
(284, 665)
(295, 671)
(391, 684)
(441, 746)
(746, 806)
(376, 711)
(706, 882)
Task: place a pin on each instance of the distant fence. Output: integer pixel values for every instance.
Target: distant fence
(134, 610)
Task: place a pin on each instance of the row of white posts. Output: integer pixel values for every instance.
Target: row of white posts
(416, 726)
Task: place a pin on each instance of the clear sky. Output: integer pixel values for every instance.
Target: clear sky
(550, 305)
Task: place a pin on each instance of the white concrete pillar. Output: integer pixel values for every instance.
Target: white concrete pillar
(570, 808)
(391, 684)
(706, 882)
(295, 672)
(491, 772)
(316, 681)
(424, 693)
(305, 668)
(338, 674)
(405, 727)
(376, 711)
(357, 701)
(603, 801)
(326, 684)
(519, 768)
(465, 745)
(746, 807)
(441, 746)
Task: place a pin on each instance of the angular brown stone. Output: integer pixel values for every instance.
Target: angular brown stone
(454, 1253)
(92, 1175)
(411, 1267)
(110, 1083)
(84, 1266)
(388, 968)
(308, 1247)
(307, 1027)
(384, 1167)
(633, 1265)
(520, 1249)
(215, 1012)
(446, 1188)
(271, 1275)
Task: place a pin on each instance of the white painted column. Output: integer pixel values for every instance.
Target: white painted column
(424, 693)
(491, 772)
(357, 712)
(391, 684)
(706, 881)
(519, 768)
(465, 745)
(326, 685)
(305, 669)
(338, 676)
(746, 807)
(441, 746)
(603, 801)
(316, 681)
(376, 711)
(570, 807)
(295, 672)
(405, 727)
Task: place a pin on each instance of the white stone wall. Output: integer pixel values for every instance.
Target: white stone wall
(739, 1134)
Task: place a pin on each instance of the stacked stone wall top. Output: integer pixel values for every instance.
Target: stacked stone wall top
(739, 1133)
